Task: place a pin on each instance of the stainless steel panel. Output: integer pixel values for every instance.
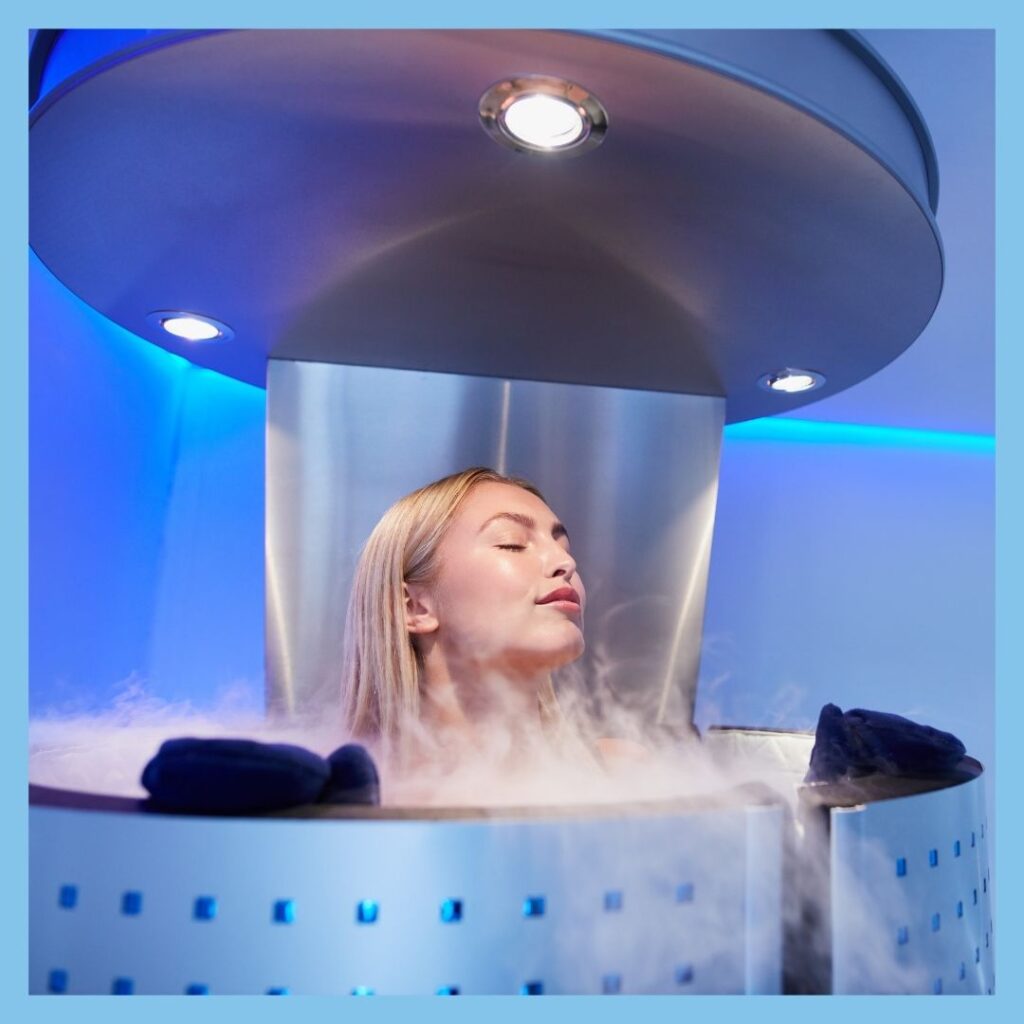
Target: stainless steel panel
(651, 941)
(633, 474)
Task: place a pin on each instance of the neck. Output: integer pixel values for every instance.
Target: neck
(470, 700)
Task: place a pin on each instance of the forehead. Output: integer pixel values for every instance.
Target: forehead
(488, 499)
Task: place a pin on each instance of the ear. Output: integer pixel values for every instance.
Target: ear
(419, 609)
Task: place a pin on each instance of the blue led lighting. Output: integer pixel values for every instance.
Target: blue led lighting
(123, 987)
(279, 990)
(197, 990)
(284, 911)
(613, 900)
(774, 428)
(901, 866)
(68, 896)
(611, 984)
(684, 974)
(131, 903)
(902, 935)
(367, 911)
(684, 893)
(531, 988)
(448, 990)
(933, 858)
(204, 908)
(533, 906)
(936, 922)
(451, 910)
(57, 983)
(362, 990)
(956, 848)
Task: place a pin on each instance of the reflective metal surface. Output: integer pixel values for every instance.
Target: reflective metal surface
(661, 901)
(632, 474)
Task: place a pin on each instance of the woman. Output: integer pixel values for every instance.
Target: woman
(465, 599)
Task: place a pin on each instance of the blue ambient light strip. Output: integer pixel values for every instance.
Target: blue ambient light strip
(773, 428)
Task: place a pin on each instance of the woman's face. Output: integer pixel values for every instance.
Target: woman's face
(507, 594)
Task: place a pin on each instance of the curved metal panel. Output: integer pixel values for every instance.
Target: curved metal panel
(633, 474)
(723, 230)
(668, 902)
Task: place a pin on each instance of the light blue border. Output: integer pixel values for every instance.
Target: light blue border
(531, 13)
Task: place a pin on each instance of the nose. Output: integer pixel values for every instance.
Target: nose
(563, 563)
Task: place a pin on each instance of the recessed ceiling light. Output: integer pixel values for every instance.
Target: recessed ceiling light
(791, 381)
(541, 114)
(190, 326)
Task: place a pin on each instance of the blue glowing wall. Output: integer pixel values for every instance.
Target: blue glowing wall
(146, 514)
(854, 566)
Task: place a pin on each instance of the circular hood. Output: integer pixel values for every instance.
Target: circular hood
(333, 196)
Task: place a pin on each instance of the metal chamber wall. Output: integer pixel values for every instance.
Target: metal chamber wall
(633, 474)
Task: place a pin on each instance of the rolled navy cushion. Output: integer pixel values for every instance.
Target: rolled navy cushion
(353, 777)
(862, 742)
(224, 776)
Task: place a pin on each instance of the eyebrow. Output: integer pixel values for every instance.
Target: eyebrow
(558, 530)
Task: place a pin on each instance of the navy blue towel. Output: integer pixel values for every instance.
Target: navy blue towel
(221, 776)
(353, 779)
(862, 742)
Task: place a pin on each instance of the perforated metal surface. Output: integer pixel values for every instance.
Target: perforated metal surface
(406, 906)
(911, 904)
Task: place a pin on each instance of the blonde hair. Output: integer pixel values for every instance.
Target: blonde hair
(381, 671)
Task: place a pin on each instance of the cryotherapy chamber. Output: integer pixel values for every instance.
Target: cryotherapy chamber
(718, 226)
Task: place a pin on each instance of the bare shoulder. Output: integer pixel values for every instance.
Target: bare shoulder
(616, 751)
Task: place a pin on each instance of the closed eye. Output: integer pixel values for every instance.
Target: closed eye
(512, 547)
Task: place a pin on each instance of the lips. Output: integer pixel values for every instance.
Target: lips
(561, 594)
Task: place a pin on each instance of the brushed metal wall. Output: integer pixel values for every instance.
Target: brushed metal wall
(633, 474)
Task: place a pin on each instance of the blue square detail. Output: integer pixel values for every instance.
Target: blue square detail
(959, 908)
(684, 974)
(205, 908)
(933, 858)
(284, 911)
(937, 987)
(684, 893)
(533, 906)
(362, 990)
(611, 984)
(901, 866)
(902, 935)
(613, 900)
(123, 987)
(131, 903)
(451, 910)
(197, 990)
(936, 922)
(367, 911)
(956, 848)
(68, 896)
(448, 990)
(532, 988)
(279, 990)
(57, 982)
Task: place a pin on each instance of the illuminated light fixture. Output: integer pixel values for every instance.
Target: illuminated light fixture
(190, 326)
(790, 381)
(541, 114)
